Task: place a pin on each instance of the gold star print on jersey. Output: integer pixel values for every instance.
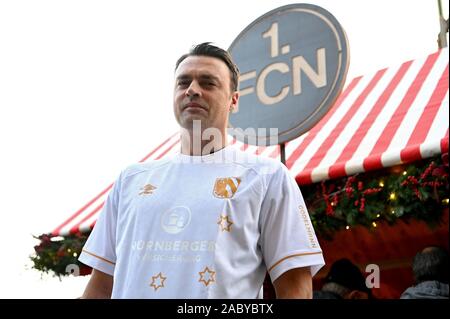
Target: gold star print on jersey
(226, 187)
(207, 276)
(147, 189)
(225, 223)
(158, 281)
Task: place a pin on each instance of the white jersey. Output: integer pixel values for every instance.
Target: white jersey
(202, 227)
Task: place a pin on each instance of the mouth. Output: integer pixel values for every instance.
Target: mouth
(194, 106)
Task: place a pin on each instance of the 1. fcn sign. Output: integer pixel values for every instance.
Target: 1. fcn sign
(293, 62)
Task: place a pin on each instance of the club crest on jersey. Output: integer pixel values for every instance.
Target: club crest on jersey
(147, 189)
(226, 187)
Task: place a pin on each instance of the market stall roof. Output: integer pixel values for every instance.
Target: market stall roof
(395, 115)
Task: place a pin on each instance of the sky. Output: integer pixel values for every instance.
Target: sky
(86, 90)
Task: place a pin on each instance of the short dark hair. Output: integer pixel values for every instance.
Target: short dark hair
(207, 49)
(431, 264)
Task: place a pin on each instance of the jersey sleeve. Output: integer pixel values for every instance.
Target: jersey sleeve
(99, 250)
(287, 238)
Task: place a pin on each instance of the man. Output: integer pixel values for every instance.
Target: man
(430, 269)
(207, 222)
(344, 281)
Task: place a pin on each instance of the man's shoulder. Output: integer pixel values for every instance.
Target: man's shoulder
(427, 290)
(253, 160)
(261, 164)
(137, 168)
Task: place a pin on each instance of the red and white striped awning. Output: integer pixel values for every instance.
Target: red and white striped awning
(396, 115)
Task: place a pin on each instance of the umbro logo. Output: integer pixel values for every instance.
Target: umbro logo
(147, 189)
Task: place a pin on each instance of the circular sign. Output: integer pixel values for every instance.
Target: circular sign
(293, 62)
(176, 219)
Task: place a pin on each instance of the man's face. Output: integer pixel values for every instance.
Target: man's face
(203, 92)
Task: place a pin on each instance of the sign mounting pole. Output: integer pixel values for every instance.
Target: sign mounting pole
(443, 24)
(283, 153)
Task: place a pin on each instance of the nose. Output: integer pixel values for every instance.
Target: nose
(193, 90)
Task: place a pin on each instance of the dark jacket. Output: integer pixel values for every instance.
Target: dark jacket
(426, 290)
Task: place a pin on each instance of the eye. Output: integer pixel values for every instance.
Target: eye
(183, 83)
(208, 84)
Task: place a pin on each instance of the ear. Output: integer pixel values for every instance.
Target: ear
(234, 106)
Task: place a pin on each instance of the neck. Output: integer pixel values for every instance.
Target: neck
(196, 143)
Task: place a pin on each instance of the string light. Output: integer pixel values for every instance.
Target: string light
(75, 255)
(381, 184)
(445, 201)
(393, 212)
(404, 173)
(347, 227)
(374, 224)
(392, 196)
(378, 215)
(69, 250)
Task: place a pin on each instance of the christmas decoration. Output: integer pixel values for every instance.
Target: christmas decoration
(419, 190)
(59, 255)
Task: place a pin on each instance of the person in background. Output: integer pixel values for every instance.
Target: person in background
(430, 269)
(344, 281)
